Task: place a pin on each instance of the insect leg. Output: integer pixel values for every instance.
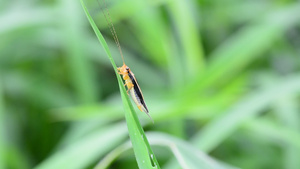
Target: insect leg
(129, 86)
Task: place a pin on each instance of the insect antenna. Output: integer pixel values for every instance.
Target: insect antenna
(111, 27)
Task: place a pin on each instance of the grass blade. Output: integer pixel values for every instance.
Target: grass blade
(138, 138)
(85, 151)
(81, 73)
(287, 111)
(187, 155)
(215, 132)
(244, 47)
(274, 133)
(2, 127)
(181, 13)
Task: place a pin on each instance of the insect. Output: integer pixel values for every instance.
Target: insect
(130, 81)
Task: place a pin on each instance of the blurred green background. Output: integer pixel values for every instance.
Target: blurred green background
(222, 75)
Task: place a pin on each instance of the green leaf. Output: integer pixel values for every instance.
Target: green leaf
(219, 129)
(245, 46)
(274, 133)
(187, 155)
(2, 127)
(138, 138)
(286, 110)
(87, 150)
(215, 132)
(182, 14)
(80, 68)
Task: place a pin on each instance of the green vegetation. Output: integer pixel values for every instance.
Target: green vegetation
(220, 78)
(143, 152)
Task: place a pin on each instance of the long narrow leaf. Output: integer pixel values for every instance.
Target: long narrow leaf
(138, 138)
(2, 144)
(83, 152)
(187, 155)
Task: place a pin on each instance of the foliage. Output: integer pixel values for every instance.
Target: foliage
(220, 78)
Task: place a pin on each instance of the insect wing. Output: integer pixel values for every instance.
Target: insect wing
(136, 93)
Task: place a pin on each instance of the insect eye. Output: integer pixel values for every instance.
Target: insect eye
(127, 68)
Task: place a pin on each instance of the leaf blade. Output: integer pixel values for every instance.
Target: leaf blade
(138, 138)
